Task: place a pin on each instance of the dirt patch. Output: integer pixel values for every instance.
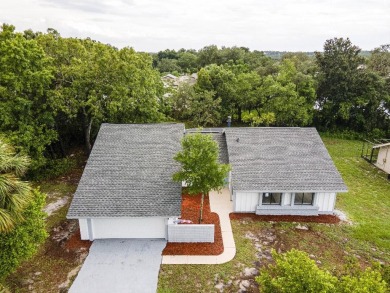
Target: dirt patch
(330, 219)
(65, 242)
(55, 206)
(190, 211)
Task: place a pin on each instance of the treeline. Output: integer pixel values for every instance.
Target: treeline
(55, 91)
(336, 90)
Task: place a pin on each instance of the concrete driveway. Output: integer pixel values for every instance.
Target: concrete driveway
(120, 265)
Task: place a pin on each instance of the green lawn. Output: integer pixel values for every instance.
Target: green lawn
(367, 202)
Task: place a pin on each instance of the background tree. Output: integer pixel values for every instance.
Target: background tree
(181, 101)
(204, 109)
(97, 83)
(348, 95)
(208, 55)
(26, 111)
(137, 90)
(380, 61)
(188, 61)
(200, 168)
(222, 81)
(166, 65)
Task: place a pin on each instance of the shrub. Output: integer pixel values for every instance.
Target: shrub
(53, 169)
(23, 241)
(295, 272)
(3, 289)
(369, 281)
(385, 272)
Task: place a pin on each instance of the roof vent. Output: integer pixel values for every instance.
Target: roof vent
(238, 139)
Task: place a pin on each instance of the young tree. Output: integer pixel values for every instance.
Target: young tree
(200, 168)
(14, 193)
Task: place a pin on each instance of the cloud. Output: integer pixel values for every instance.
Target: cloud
(90, 6)
(152, 25)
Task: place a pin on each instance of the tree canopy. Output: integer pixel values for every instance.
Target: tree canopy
(56, 91)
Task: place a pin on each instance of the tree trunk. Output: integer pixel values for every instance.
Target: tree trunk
(239, 114)
(88, 136)
(61, 143)
(201, 209)
(87, 131)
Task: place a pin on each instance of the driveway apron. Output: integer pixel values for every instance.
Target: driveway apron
(120, 265)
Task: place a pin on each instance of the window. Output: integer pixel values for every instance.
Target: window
(304, 198)
(272, 198)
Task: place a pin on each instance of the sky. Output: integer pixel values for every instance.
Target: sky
(154, 25)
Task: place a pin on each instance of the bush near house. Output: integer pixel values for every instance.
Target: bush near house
(24, 240)
(295, 272)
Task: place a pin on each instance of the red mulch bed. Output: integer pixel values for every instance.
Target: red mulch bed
(190, 211)
(309, 219)
(75, 242)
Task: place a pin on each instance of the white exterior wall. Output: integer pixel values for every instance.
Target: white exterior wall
(191, 233)
(101, 228)
(246, 202)
(383, 161)
(84, 229)
(286, 199)
(325, 202)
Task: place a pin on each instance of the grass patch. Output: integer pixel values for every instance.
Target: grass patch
(367, 202)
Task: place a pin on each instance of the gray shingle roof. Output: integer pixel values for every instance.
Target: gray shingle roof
(223, 153)
(129, 173)
(281, 159)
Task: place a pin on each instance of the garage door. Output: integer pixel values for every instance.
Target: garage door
(129, 228)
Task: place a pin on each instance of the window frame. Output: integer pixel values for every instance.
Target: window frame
(303, 197)
(271, 195)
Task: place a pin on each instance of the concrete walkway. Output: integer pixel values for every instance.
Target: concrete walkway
(219, 203)
(120, 266)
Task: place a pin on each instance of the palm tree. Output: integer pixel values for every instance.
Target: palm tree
(15, 194)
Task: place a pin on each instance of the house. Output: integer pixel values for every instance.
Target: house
(126, 190)
(281, 171)
(171, 80)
